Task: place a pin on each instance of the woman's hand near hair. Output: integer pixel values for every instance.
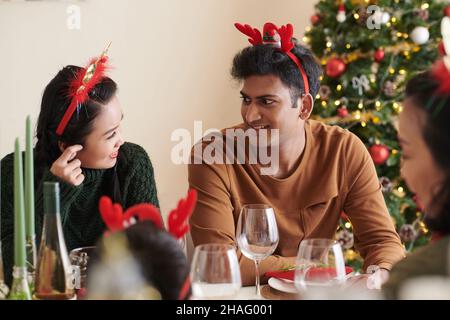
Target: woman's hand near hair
(67, 168)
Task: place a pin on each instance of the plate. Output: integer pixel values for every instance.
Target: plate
(282, 285)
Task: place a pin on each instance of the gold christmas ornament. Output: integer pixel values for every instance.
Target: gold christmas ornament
(363, 2)
(351, 255)
(402, 47)
(357, 116)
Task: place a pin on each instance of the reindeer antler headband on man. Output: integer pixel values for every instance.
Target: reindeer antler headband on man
(83, 82)
(278, 37)
(178, 221)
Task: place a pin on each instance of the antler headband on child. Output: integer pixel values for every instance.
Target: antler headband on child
(178, 221)
(83, 82)
(277, 37)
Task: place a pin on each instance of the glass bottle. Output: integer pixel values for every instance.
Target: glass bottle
(53, 273)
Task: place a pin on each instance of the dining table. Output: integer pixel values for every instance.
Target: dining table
(355, 288)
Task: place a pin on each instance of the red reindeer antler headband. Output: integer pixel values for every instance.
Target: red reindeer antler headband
(278, 37)
(440, 71)
(116, 220)
(83, 82)
(441, 68)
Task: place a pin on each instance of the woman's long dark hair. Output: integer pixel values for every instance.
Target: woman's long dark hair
(436, 132)
(55, 101)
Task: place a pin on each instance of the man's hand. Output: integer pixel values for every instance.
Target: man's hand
(377, 278)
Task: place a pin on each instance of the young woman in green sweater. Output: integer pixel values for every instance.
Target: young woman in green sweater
(424, 135)
(87, 155)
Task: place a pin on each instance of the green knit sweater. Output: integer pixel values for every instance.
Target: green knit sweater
(430, 260)
(81, 220)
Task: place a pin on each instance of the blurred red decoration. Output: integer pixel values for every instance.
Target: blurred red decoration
(342, 112)
(315, 18)
(447, 11)
(441, 49)
(379, 55)
(335, 67)
(379, 153)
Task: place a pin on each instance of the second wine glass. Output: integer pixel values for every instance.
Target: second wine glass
(320, 267)
(257, 235)
(215, 272)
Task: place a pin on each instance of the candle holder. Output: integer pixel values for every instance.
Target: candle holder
(20, 289)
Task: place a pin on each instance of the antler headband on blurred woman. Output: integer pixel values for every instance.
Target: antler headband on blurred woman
(278, 37)
(178, 221)
(81, 85)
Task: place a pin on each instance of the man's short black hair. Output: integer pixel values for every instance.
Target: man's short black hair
(269, 60)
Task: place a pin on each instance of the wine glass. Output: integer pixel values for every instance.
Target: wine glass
(257, 235)
(79, 259)
(215, 272)
(320, 265)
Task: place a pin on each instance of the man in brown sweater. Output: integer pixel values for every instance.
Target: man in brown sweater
(321, 170)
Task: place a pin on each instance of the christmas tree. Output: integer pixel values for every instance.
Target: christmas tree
(369, 49)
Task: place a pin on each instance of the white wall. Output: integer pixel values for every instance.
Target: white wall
(171, 61)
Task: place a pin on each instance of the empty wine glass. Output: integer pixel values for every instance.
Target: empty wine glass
(320, 265)
(257, 235)
(215, 272)
(79, 258)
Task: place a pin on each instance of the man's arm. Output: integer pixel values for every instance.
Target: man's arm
(375, 235)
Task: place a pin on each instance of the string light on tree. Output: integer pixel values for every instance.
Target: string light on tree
(360, 104)
(397, 107)
(399, 192)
